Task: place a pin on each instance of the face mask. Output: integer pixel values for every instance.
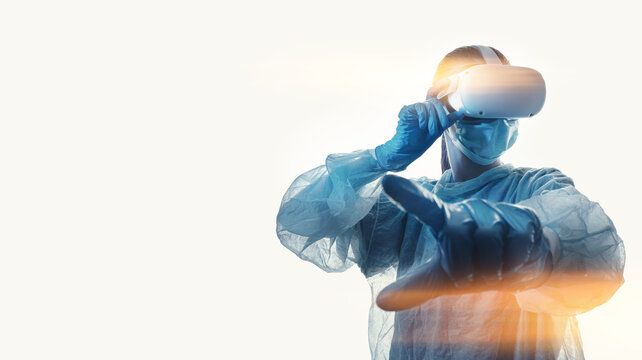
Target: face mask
(484, 140)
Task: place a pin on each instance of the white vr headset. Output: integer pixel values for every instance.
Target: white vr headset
(493, 90)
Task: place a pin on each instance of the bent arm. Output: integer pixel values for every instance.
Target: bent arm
(320, 211)
(589, 268)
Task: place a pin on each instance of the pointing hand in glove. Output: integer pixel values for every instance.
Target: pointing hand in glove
(483, 246)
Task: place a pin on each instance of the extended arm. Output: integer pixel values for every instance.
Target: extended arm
(556, 250)
(483, 246)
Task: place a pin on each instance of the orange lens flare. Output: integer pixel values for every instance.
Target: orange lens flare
(477, 314)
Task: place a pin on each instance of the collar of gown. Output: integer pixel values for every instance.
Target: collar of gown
(446, 187)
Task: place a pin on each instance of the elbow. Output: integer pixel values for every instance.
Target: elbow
(569, 295)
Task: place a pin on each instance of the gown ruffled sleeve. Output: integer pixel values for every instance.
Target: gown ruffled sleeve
(589, 268)
(329, 215)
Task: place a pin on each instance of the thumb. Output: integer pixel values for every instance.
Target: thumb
(453, 117)
(419, 202)
(423, 283)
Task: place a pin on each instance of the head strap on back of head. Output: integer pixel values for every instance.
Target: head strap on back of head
(448, 85)
(488, 54)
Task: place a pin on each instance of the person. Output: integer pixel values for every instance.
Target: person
(490, 261)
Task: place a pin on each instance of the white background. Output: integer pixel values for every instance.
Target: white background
(145, 147)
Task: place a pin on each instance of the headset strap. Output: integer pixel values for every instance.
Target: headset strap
(488, 54)
(448, 85)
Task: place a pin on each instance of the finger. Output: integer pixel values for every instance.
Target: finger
(453, 117)
(526, 265)
(426, 282)
(444, 121)
(521, 235)
(489, 237)
(408, 113)
(415, 200)
(422, 115)
(433, 124)
(421, 284)
(474, 242)
(457, 245)
(517, 249)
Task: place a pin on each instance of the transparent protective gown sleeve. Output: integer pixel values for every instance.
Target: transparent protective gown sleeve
(319, 211)
(589, 268)
(335, 216)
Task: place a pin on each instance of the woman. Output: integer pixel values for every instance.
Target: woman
(513, 255)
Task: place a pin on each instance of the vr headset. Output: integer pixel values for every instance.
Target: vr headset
(492, 90)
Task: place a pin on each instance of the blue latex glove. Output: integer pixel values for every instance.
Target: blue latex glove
(484, 246)
(419, 126)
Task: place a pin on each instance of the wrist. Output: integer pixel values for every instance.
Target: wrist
(358, 168)
(389, 162)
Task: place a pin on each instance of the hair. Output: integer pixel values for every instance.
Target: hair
(456, 61)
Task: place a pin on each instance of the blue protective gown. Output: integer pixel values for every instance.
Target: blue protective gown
(336, 216)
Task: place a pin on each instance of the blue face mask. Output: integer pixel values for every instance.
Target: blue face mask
(484, 140)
